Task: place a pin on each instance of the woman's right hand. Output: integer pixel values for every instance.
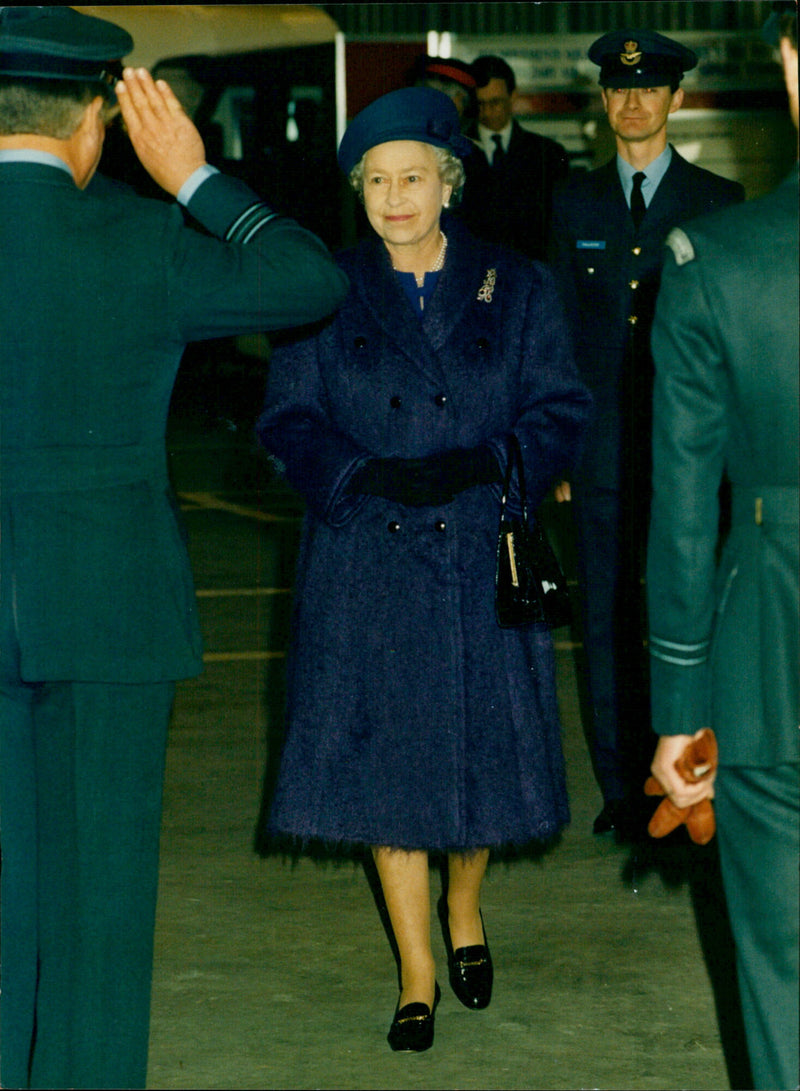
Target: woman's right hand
(563, 492)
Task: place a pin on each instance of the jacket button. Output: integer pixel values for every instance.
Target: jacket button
(359, 342)
(395, 401)
(633, 319)
(636, 250)
(393, 527)
(441, 400)
(482, 344)
(440, 525)
(633, 284)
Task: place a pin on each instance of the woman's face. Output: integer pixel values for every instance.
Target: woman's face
(403, 193)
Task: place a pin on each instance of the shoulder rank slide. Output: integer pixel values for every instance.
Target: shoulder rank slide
(681, 246)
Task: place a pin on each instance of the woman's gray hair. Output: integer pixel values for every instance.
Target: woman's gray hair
(449, 166)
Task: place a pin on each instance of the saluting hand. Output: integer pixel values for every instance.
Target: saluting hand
(163, 136)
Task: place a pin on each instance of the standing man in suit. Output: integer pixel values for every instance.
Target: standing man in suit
(508, 196)
(99, 293)
(609, 228)
(724, 634)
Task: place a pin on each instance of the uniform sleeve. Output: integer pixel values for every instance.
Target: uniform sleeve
(689, 441)
(255, 271)
(554, 403)
(295, 428)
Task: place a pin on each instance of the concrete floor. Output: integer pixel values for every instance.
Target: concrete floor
(274, 975)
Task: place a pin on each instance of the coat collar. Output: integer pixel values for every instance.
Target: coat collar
(32, 171)
(374, 281)
(608, 187)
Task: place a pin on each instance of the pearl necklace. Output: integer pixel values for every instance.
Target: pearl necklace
(438, 264)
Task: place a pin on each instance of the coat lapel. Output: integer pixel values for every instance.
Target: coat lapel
(616, 221)
(373, 278)
(669, 196)
(419, 339)
(463, 274)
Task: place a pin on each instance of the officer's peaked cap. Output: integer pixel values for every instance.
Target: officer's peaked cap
(412, 113)
(58, 42)
(640, 58)
(444, 68)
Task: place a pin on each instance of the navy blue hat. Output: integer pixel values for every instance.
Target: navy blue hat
(640, 58)
(412, 113)
(59, 43)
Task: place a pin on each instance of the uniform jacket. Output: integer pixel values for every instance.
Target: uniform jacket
(724, 636)
(512, 204)
(99, 293)
(608, 274)
(413, 719)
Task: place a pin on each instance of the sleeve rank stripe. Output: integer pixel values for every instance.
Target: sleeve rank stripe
(684, 655)
(249, 222)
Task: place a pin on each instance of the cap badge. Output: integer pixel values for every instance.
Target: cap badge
(632, 54)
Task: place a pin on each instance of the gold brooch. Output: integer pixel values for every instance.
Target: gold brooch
(632, 54)
(486, 289)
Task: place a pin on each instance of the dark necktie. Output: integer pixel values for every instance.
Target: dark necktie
(499, 152)
(638, 207)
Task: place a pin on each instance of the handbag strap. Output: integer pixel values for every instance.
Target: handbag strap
(514, 457)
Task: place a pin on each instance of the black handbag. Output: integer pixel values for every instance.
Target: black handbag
(529, 584)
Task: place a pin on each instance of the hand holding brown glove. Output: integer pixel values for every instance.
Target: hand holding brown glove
(697, 763)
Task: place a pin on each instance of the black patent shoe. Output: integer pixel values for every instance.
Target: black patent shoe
(470, 968)
(412, 1027)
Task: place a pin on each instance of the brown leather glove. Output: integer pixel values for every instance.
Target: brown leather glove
(698, 761)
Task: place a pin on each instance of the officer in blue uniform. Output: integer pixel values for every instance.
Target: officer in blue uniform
(99, 293)
(608, 232)
(724, 633)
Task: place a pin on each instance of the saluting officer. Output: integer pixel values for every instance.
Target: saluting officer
(99, 293)
(724, 636)
(608, 233)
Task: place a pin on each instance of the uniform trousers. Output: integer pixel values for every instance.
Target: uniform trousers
(81, 776)
(758, 825)
(610, 567)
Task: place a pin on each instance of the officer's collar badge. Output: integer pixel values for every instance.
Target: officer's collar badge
(632, 54)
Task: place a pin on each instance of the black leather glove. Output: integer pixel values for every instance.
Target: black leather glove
(428, 481)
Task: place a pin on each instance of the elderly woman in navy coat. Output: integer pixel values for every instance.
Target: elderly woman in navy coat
(416, 724)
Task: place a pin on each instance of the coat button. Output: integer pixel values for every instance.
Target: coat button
(395, 401)
(482, 344)
(441, 400)
(393, 527)
(633, 284)
(636, 250)
(359, 342)
(440, 525)
(633, 319)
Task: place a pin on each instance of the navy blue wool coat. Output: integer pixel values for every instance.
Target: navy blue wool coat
(413, 719)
